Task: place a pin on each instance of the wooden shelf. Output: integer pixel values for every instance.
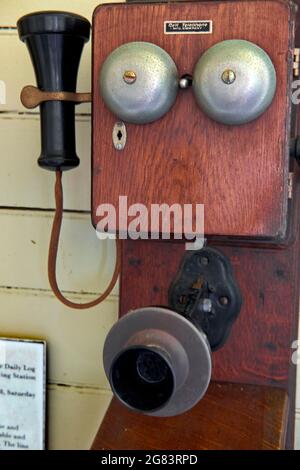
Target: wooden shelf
(230, 416)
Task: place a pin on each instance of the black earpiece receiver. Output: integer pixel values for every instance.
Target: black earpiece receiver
(55, 42)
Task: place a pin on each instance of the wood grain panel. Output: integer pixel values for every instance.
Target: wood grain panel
(230, 417)
(239, 173)
(258, 350)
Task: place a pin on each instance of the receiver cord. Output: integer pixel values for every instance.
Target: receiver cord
(53, 249)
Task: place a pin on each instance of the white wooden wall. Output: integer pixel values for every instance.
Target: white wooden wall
(78, 393)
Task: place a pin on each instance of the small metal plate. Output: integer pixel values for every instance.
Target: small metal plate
(206, 293)
(119, 135)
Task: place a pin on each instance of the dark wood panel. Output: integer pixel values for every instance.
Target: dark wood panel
(258, 350)
(240, 172)
(230, 416)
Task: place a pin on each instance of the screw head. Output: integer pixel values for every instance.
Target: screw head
(129, 77)
(206, 305)
(184, 83)
(204, 260)
(119, 146)
(228, 76)
(224, 301)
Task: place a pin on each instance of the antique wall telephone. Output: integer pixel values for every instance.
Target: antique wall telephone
(189, 107)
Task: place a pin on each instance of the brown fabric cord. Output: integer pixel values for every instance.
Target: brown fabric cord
(53, 249)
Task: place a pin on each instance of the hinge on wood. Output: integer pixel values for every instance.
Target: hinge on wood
(296, 62)
(290, 185)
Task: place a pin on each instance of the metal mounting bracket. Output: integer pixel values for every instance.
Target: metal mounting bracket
(206, 293)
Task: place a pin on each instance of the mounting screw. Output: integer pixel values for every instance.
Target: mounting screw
(205, 305)
(224, 301)
(204, 260)
(129, 77)
(185, 81)
(228, 76)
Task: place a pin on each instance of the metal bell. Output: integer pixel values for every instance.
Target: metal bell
(157, 361)
(139, 82)
(234, 82)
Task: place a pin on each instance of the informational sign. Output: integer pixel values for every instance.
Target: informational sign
(22, 394)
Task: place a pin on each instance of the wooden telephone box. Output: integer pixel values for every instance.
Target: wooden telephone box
(242, 175)
(239, 173)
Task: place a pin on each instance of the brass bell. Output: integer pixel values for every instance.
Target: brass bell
(139, 82)
(234, 82)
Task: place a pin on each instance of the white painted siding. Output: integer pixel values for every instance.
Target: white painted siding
(78, 393)
(23, 182)
(74, 416)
